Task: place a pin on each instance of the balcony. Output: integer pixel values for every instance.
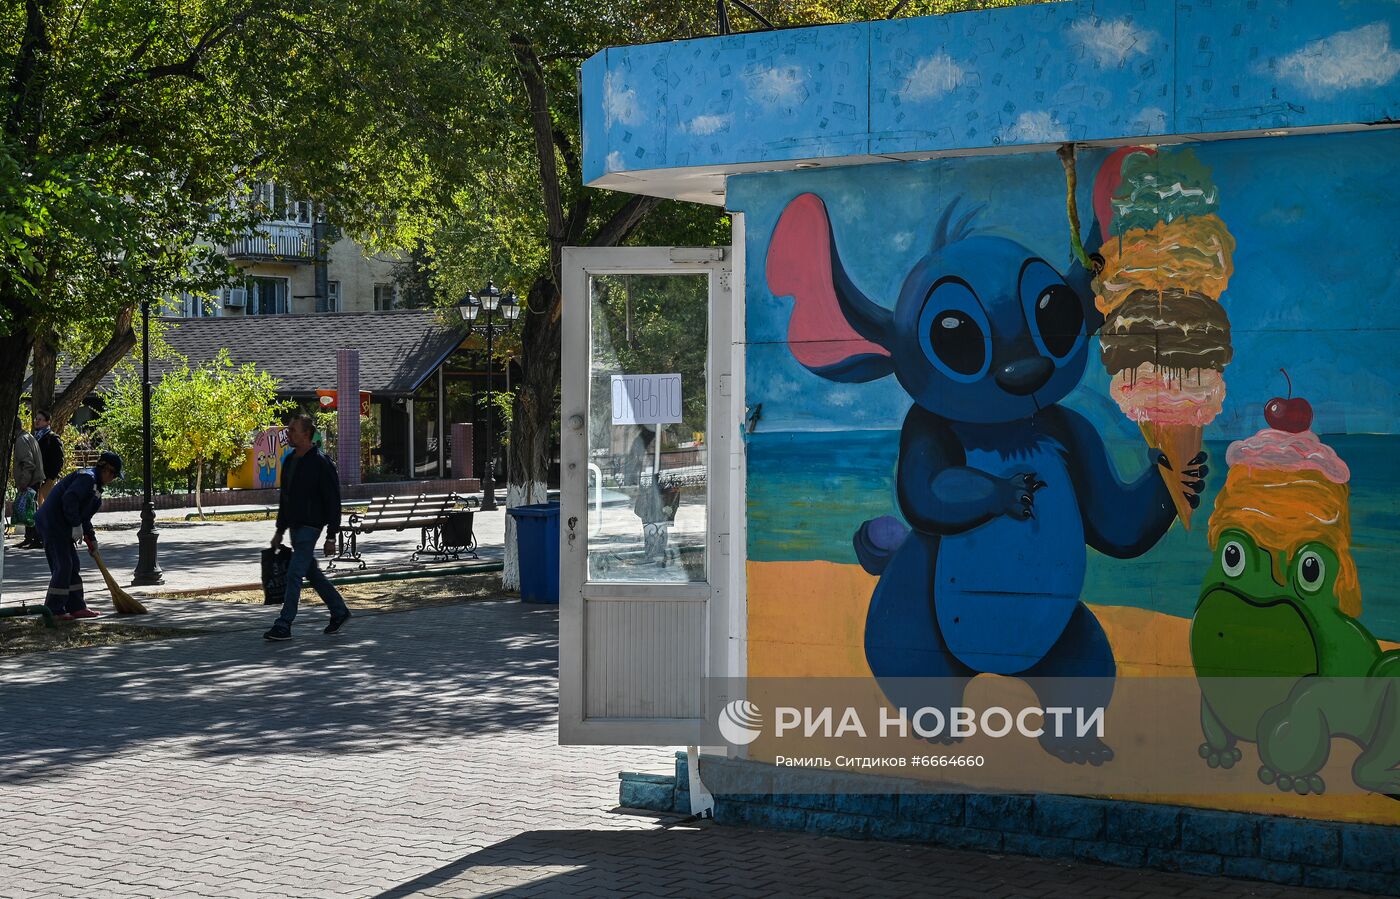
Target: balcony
(290, 243)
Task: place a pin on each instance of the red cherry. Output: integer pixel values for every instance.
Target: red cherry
(1292, 414)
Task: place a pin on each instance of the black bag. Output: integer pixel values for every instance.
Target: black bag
(274, 574)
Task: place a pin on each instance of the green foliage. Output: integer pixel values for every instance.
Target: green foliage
(201, 416)
(92, 217)
(85, 338)
(129, 122)
(503, 401)
(413, 276)
(494, 222)
(512, 193)
(119, 429)
(654, 324)
(208, 413)
(327, 423)
(818, 12)
(153, 109)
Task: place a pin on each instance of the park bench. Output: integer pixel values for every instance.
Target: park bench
(444, 522)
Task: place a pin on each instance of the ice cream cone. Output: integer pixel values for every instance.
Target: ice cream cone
(1180, 444)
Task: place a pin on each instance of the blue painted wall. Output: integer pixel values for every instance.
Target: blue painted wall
(1025, 75)
(775, 96)
(1086, 70)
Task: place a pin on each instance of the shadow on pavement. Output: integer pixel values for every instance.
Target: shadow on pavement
(572, 862)
(710, 860)
(387, 680)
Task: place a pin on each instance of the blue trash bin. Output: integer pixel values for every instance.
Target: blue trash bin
(537, 536)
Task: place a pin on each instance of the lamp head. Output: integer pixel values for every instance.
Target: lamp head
(490, 296)
(510, 306)
(469, 308)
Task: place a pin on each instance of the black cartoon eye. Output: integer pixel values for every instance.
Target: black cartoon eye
(1232, 559)
(958, 341)
(1053, 310)
(953, 330)
(1312, 571)
(1060, 319)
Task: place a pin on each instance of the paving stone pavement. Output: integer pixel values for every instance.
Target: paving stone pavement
(413, 756)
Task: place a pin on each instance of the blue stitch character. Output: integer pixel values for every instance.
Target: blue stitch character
(1001, 487)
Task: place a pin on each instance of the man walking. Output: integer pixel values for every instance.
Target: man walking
(65, 518)
(51, 452)
(310, 501)
(28, 468)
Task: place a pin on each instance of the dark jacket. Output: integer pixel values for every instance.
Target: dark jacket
(310, 493)
(71, 503)
(51, 451)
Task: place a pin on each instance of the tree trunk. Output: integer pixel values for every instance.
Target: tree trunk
(535, 406)
(532, 422)
(199, 488)
(86, 380)
(42, 387)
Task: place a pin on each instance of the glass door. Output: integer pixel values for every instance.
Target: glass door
(644, 438)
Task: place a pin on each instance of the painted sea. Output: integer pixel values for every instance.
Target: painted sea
(809, 491)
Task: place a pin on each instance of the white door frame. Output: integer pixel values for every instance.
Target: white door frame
(736, 586)
(576, 592)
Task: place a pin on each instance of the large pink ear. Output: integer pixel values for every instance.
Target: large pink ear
(835, 330)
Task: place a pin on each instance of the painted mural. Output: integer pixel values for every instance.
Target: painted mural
(1281, 600)
(267, 455)
(262, 462)
(1001, 488)
(1025, 76)
(1165, 261)
(977, 454)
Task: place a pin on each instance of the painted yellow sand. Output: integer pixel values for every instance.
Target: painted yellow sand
(807, 619)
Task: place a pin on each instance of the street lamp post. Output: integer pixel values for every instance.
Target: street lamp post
(147, 567)
(489, 301)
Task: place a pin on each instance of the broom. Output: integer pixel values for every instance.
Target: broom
(125, 603)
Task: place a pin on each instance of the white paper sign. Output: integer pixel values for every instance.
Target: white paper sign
(646, 399)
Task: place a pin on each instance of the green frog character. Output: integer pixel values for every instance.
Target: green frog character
(1280, 656)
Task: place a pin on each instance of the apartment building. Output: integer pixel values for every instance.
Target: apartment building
(279, 260)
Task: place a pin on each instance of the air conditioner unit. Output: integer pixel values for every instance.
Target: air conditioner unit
(237, 297)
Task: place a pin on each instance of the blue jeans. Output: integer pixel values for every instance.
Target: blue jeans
(303, 566)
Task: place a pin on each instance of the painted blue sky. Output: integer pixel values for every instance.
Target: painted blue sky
(1316, 288)
(1020, 76)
